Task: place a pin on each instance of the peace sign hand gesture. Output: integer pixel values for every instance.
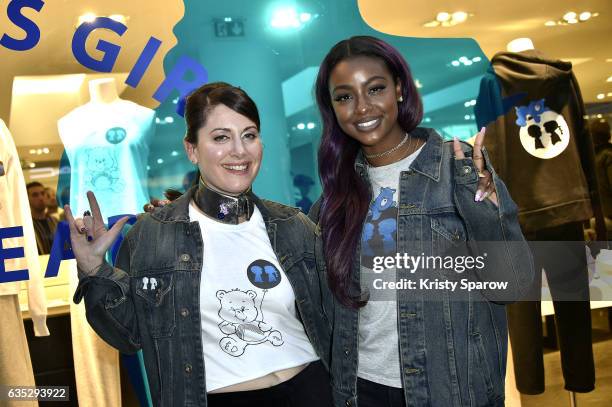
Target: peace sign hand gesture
(486, 186)
(89, 237)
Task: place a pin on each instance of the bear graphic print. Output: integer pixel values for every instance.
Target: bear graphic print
(379, 231)
(242, 321)
(543, 132)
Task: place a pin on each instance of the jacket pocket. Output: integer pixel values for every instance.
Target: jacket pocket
(156, 289)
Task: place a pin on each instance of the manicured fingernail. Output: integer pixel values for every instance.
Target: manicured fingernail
(89, 238)
(482, 130)
(477, 197)
(484, 196)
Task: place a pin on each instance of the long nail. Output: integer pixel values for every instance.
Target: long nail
(484, 196)
(478, 195)
(89, 238)
(483, 129)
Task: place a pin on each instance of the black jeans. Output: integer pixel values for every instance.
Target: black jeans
(311, 387)
(565, 267)
(370, 394)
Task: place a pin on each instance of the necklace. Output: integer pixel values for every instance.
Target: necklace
(384, 153)
(224, 208)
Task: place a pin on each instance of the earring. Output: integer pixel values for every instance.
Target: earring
(400, 99)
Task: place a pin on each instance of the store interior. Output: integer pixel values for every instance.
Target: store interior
(273, 50)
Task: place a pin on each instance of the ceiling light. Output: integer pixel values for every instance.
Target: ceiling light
(160, 161)
(304, 17)
(569, 16)
(455, 63)
(468, 63)
(609, 94)
(227, 19)
(459, 16)
(572, 21)
(585, 15)
(599, 116)
(169, 119)
(39, 151)
(45, 150)
(463, 59)
(301, 126)
(32, 165)
(443, 16)
(32, 151)
(120, 18)
(431, 24)
(285, 17)
(148, 167)
(550, 23)
(594, 14)
(157, 120)
(418, 84)
(310, 126)
(86, 18)
(174, 153)
(467, 104)
(427, 119)
(466, 117)
(476, 59)
(601, 96)
(609, 79)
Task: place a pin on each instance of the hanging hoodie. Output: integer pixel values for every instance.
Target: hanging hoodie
(537, 138)
(15, 211)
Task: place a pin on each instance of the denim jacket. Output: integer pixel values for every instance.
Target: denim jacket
(452, 352)
(165, 323)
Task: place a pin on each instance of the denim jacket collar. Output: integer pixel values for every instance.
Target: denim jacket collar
(428, 162)
(178, 210)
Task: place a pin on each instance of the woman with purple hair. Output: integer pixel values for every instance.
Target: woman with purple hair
(409, 333)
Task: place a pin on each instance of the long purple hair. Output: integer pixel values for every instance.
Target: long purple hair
(346, 197)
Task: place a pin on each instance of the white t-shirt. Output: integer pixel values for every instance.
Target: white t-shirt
(108, 147)
(378, 342)
(249, 323)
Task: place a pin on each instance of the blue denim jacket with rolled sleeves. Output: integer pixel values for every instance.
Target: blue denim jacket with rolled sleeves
(165, 323)
(452, 353)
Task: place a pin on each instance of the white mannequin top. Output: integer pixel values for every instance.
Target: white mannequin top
(520, 44)
(107, 143)
(15, 211)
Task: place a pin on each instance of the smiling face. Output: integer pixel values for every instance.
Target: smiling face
(228, 151)
(364, 97)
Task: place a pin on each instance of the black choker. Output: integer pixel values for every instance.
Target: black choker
(224, 208)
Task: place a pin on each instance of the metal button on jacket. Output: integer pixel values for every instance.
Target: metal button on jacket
(188, 368)
(467, 169)
(185, 257)
(184, 312)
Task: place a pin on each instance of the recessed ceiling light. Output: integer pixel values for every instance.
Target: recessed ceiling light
(304, 17)
(476, 59)
(160, 161)
(443, 16)
(550, 23)
(87, 18)
(174, 153)
(301, 126)
(463, 59)
(459, 16)
(32, 151)
(310, 126)
(431, 24)
(601, 96)
(455, 63)
(45, 150)
(169, 119)
(466, 117)
(157, 120)
(585, 15)
(148, 167)
(609, 94)
(427, 119)
(599, 116)
(32, 165)
(573, 21)
(569, 16)
(468, 63)
(418, 84)
(609, 79)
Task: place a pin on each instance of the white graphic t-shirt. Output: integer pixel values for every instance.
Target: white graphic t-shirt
(378, 341)
(249, 321)
(108, 148)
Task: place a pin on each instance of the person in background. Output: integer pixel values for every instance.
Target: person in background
(44, 225)
(53, 208)
(600, 131)
(303, 183)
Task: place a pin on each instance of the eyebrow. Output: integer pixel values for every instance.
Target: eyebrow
(229, 130)
(373, 78)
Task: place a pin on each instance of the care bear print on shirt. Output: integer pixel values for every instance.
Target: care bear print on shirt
(103, 171)
(241, 324)
(379, 231)
(543, 132)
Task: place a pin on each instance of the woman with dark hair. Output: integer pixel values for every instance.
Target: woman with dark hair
(392, 190)
(218, 288)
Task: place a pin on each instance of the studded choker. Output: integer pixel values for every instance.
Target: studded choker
(224, 208)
